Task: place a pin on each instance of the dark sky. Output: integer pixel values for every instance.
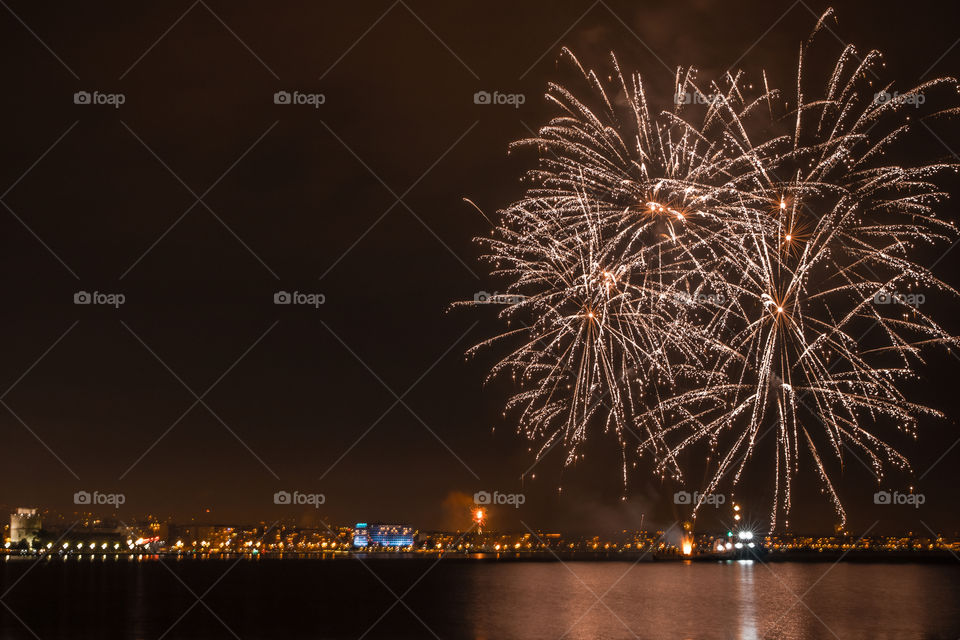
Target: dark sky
(360, 200)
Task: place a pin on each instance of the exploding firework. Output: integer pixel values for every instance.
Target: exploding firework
(479, 518)
(723, 272)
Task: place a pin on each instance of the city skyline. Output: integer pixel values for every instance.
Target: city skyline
(32, 531)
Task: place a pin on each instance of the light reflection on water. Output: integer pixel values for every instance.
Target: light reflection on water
(490, 600)
(742, 600)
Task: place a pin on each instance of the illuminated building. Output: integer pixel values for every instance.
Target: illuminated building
(378, 534)
(24, 525)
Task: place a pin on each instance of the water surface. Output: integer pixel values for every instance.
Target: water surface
(422, 598)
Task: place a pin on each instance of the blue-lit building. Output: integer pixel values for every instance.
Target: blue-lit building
(377, 534)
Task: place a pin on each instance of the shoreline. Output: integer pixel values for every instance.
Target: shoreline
(804, 557)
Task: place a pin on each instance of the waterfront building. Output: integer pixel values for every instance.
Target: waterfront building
(24, 525)
(376, 534)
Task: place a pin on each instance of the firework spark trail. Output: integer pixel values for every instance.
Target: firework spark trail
(705, 273)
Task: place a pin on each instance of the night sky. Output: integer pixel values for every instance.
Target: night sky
(199, 198)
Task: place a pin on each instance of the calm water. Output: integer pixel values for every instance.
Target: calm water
(471, 599)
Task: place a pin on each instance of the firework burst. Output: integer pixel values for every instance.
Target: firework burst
(730, 269)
